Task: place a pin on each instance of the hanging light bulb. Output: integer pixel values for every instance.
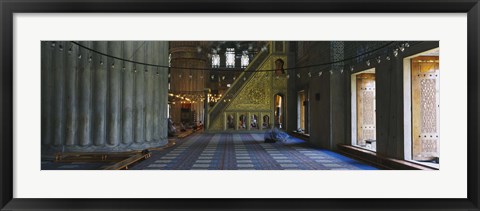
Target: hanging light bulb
(113, 65)
(288, 76)
(53, 44)
(212, 76)
(60, 47)
(180, 75)
(320, 73)
(351, 68)
(101, 62)
(124, 68)
(234, 77)
(378, 60)
(331, 72)
(298, 75)
(368, 62)
(135, 70)
(407, 45)
(190, 76)
(223, 77)
(169, 75)
(90, 59)
(402, 47)
(79, 56)
(395, 52)
(70, 50)
(388, 58)
(309, 74)
(341, 71)
(244, 78)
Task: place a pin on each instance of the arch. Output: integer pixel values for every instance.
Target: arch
(279, 110)
(279, 67)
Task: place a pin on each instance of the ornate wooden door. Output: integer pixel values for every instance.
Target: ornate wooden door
(425, 107)
(366, 122)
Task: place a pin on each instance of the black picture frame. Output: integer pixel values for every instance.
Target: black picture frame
(9, 7)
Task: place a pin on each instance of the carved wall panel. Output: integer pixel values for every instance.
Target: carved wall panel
(425, 107)
(365, 108)
(255, 97)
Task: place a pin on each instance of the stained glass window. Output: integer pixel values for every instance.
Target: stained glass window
(230, 57)
(215, 60)
(244, 60)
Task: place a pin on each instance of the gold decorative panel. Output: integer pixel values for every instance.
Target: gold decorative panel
(255, 96)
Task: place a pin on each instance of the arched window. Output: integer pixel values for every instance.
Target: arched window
(244, 60)
(230, 57)
(215, 61)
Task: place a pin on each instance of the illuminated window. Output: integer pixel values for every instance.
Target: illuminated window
(215, 60)
(230, 57)
(422, 108)
(244, 61)
(364, 110)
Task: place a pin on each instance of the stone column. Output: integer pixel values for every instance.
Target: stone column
(91, 103)
(149, 92)
(114, 92)
(59, 93)
(71, 92)
(85, 89)
(100, 93)
(188, 54)
(128, 95)
(139, 112)
(48, 60)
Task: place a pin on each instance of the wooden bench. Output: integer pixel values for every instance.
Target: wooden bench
(89, 157)
(129, 161)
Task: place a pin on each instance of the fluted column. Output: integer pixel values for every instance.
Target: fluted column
(100, 93)
(71, 93)
(128, 95)
(59, 93)
(48, 60)
(91, 102)
(114, 93)
(149, 92)
(139, 112)
(85, 89)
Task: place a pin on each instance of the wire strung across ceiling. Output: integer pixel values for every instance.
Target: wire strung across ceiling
(371, 52)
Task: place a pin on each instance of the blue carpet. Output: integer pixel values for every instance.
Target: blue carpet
(246, 152)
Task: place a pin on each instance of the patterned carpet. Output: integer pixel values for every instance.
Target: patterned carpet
(245, 152)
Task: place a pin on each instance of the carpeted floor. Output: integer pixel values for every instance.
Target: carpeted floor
(245, 152)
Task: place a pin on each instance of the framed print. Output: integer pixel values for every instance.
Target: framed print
(262, 105)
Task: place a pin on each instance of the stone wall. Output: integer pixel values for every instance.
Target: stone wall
(330, 94)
